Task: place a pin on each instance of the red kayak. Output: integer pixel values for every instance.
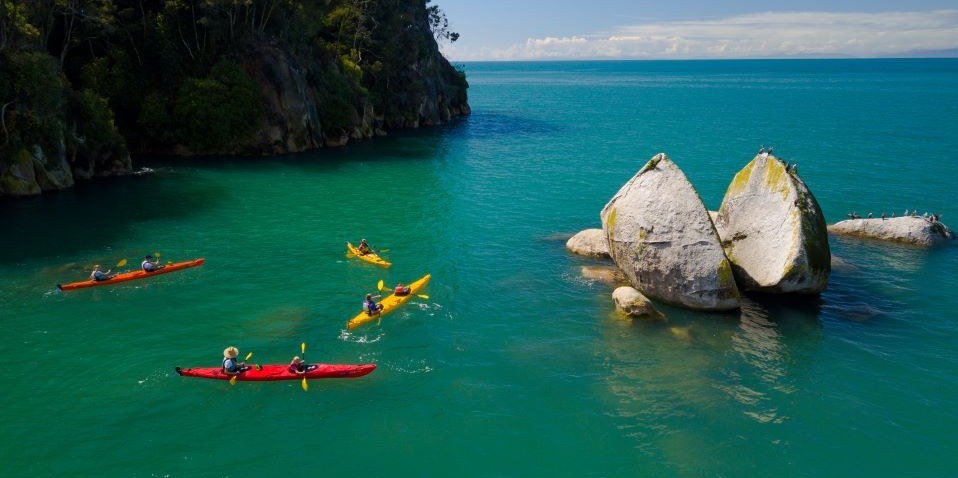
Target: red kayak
(281, 372)
(127, 276)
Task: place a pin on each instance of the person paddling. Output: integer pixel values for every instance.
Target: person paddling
(150, 265)
(364, 248)
(402, 290)
(371, 306)
(99, 275)
(298, 366)
(230, 365)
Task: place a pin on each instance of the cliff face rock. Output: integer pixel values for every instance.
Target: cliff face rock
(590, 242)
(291, 119)
(773, 230)
(633, 303)
(914, 230)
(660, 235)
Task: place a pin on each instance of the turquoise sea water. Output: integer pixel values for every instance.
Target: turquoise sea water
(515, 365)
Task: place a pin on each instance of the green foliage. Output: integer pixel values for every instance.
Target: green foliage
(31, 89)
(213, 113)
(168, 67)
(155, 117)
(95, 134)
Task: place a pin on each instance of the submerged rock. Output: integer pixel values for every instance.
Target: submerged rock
(662, 238)
(605, 274)
(590, 242)
(633, 303)
(773, 230)
(915, 230)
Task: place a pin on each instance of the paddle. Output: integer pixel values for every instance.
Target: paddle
(233, 378)
(303, 348)
(120, 264)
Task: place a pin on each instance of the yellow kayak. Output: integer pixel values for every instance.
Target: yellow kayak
(370, 257)
(388, 304)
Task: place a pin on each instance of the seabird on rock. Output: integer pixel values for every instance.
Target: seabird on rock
(869, 215)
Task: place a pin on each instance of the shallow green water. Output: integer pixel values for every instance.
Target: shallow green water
(515, 365)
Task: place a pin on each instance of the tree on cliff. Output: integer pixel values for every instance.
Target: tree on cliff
(181, 75)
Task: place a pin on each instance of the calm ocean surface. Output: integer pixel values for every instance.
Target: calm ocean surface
(515, 365)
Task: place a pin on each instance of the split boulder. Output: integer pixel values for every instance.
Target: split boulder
(773, 230)
(660, 235)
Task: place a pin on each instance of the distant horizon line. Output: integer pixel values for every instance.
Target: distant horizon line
(803, 58)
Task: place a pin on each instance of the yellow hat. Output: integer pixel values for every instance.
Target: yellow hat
(231, 352)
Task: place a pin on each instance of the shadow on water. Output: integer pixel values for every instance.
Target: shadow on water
(66, 222)
(493, 125)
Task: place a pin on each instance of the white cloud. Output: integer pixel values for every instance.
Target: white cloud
(758, 35)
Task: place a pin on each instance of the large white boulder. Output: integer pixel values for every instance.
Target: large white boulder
(590, 242)
(632, 302)
(915, 230)
(773, 230)
(662, 238)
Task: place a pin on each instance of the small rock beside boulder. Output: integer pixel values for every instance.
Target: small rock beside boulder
(605, 274)
(916, 230)
(633, 303)
(590, 242)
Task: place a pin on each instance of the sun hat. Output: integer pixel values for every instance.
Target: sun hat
(296, 359)
(231, 352)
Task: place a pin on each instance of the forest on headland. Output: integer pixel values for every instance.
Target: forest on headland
(85, 82)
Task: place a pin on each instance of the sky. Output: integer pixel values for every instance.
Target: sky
(682, 29)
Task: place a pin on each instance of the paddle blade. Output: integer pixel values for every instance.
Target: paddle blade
(156, 255)
(120, 264)
(248, 356)
(302, 347)
(383, 250)
(233, 380)
(380, 284)
(305, 385)
(422, 296)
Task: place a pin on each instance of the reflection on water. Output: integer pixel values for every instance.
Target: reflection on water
(667, 379)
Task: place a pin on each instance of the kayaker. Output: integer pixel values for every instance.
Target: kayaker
(150, 265)
(364, 248)
(298, 366)
(99, 275)
(402, 290)
(230, 365)
(371, 306)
